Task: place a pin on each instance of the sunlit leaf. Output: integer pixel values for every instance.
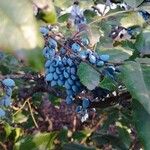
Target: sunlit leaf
(132, 19)
(18, 28)
(39, 141)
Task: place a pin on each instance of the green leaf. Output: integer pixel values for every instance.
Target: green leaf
(117, 54)
(20, 117)
(18, 26)
(15, 134)
(8, 129)
(35, 59)
(142, 123)
(143, 41)
(74, 146)
(108, 83)
(136, 78)
(124, 136)
(63, 17)
(39, 141)
(132, 19)
(93, 33)
(9, 64)
(89, 14)
(88, 76)
(103, 138)
(133, 3)
(79, 135)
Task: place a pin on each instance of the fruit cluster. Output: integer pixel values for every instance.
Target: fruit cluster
(8, 85)
(61, 66)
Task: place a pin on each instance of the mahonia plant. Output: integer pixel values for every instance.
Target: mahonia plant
(61, 68)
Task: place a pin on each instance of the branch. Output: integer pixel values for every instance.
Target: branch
(40, 86)
(110, 101)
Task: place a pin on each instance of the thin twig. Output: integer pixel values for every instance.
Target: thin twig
(100, 122)
(32, 115)
(21, 107)
(99, 18)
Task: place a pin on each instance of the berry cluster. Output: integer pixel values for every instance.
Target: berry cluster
(8, 85)
(61, 68)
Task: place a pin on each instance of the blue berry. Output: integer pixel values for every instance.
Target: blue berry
(76, 47)
(51, 69)
(47, 64)
(88, 51)
(60, 82)
(66, 75)
(61, 77)
(55, 76)
(85, 41)
(70, 62)
(78, 109)
(67, 85)
(69, 99)
(73, 77)
(68, 70)
(64, 60)
(85, 103)
(73, 70)
(69, 92)
(8, 82)
(44, 30)
(78, 83)
(83, 54)
(100, 63)
(62, 50)
(92, 59)
(70, 81)
(49, 77)
(75, 88)
(46, 71)
(2, 113)
(9, 91)
(53, 83)
(52, 43)
(111, 70)
(58, 71)
(104, 57)
(6, 101)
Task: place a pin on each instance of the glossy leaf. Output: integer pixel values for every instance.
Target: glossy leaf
(132, 19)
(116, 54)
(142, 123)
(136, 78)
(108, 83)
(39, 141)
(88, 76)
(143, 42)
